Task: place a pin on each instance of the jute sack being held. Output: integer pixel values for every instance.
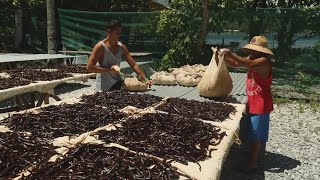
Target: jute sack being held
(216, 81)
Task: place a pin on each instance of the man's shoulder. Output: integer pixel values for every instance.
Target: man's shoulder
(121, 44)
(99, 44)
(98, 48)
(124, 47)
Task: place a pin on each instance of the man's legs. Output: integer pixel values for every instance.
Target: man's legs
(254, 155)
(258, 136)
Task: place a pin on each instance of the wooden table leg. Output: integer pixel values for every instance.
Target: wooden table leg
(41, 99)
(55, 97)
(32, 99)
(44, 98)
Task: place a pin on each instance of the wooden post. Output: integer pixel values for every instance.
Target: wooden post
(51, 27)
(18, 37)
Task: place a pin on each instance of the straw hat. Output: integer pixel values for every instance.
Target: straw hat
(258, 43)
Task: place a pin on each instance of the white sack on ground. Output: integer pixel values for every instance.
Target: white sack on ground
(163, 78)
(176, 71)
(216, 81)
(194, 69)
(186, 79)
(199, 69)
(133, 84)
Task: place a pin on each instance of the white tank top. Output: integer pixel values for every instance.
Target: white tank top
(104, 81)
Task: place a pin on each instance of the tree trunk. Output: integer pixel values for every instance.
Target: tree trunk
(18, 37)
(257, 27)
(51, 27)
(285, 40)
(204, 24)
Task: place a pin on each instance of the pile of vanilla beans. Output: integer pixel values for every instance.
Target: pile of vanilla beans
(19, 151)
(120, 99)
(25, 76)
(98, 162)
(11, 82)
(34, 74)
(63, 120)
(74, 68)
(206, 110)
(168, 136)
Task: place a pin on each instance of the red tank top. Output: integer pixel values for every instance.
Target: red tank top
(259, 93)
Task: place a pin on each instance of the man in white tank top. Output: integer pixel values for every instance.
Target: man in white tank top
(106, 57)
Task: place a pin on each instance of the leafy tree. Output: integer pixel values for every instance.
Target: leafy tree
(185, 27)
(108, 5)
(14, 15)
(287, 19)
(13, 4)
(179, 27)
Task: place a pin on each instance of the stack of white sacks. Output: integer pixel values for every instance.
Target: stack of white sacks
(185, 76)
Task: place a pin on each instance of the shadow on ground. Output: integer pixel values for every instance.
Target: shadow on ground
(273, 163)
(69, 87)
(277, 163)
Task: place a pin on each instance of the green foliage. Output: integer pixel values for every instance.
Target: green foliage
(284, 18)
(312, 23)
(305, 81)
(314, 103)
(301, 106)
(289, 22)
(106, 5)
(179, 27)
(307, 65)
(10, 4)
(280, 100)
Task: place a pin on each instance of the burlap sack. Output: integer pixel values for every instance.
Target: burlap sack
(163, 78)
(216, 81)
(187, 79)
(133, 84)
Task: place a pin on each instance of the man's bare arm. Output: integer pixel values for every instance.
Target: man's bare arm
(132, 63)
(246, 62)
(231, 62)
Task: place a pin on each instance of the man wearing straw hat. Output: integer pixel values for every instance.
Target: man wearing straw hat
(260, 103)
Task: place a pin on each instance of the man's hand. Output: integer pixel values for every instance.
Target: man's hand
(149, 83)
(227, 52)
(115, 68)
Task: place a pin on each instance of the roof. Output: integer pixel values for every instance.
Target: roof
(15, 57)
(124, 64)
(238, 94)
(164, 3)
